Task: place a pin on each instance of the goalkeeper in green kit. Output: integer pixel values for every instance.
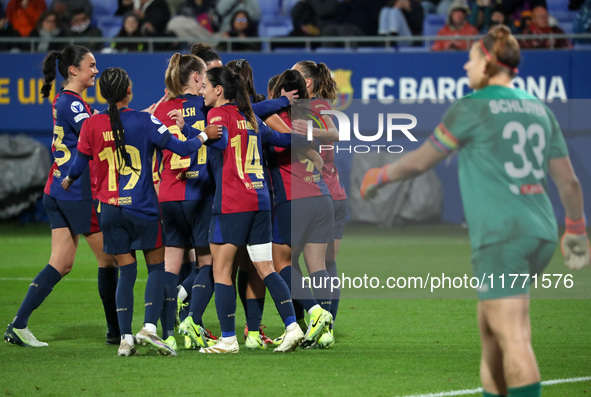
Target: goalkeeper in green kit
(507, 143)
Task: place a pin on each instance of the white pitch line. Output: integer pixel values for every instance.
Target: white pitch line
(479, 390)
(86, 280)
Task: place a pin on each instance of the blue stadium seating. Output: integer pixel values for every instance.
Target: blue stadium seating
(270, 7)
(432, 23)
(104, 8)
(109, 25)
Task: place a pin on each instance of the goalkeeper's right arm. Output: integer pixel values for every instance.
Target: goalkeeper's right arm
(574, 242)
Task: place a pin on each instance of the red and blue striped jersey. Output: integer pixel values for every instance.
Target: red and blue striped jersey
(184, 178)
(69, 112)
(293, 175)
(330, 174)
(130, 187)
(237, 169)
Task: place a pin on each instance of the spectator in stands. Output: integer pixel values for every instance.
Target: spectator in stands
(582, 23)
(6, 30)
(243, 27)
(125, 6)
(356, 18)
(392, 21)
(129, 29)
(23, 14)
(81, 27)
(65, 8)
(227, 8)
(480, 14)
(415, 18)
(498, 17)
(514, 8)
(310, 17)
(540, 25)
(153, 15)
(456, 25)
(195, 18)
(46, 30)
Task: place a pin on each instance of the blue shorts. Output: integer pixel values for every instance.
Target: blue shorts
(340, 216)
(502, 261)
(312, 220)
(124, 231)
(78, 216)
(186, 223)
(241, 228)
(282, 223)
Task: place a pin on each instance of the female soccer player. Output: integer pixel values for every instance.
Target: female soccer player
(70, 213)
(241, 211)
(504, 158)
(122, 143)
(186, 197)
(321, 88)
(302, 218)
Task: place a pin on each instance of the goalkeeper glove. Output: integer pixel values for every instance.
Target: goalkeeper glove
(372, 180)
(575, 244)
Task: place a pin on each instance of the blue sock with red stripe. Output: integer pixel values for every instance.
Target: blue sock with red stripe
(154, 295)
(124, 296)
(202, 293)
(169, 305)
(225, 304)
(281, 296)
(39, 289)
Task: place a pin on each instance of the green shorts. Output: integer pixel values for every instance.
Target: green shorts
(503, 267)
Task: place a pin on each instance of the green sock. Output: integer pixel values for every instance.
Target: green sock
(533, 390)
(489, 394)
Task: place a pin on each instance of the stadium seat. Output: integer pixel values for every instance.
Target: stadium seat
(109, 25)
(432, 24)
(273, 26)
(554, 5)
(270, 7)
(104, 8)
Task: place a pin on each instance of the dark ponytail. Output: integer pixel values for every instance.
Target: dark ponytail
(113, 85)
(243, 68)
(70, 56)
(323, 85)
(234, 91)
(290, 80)
(501, 50)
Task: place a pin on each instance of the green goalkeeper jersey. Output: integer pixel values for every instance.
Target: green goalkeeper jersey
(505, 138)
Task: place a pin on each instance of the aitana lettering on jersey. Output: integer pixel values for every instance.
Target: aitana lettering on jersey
(245, 125)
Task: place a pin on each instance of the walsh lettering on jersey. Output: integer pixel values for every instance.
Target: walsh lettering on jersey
(188, 112)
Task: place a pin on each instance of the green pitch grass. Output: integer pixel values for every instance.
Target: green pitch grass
(389, 345)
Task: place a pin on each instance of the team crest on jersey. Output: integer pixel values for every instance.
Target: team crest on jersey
(155, 120)
(77, 107)
(344, 89)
